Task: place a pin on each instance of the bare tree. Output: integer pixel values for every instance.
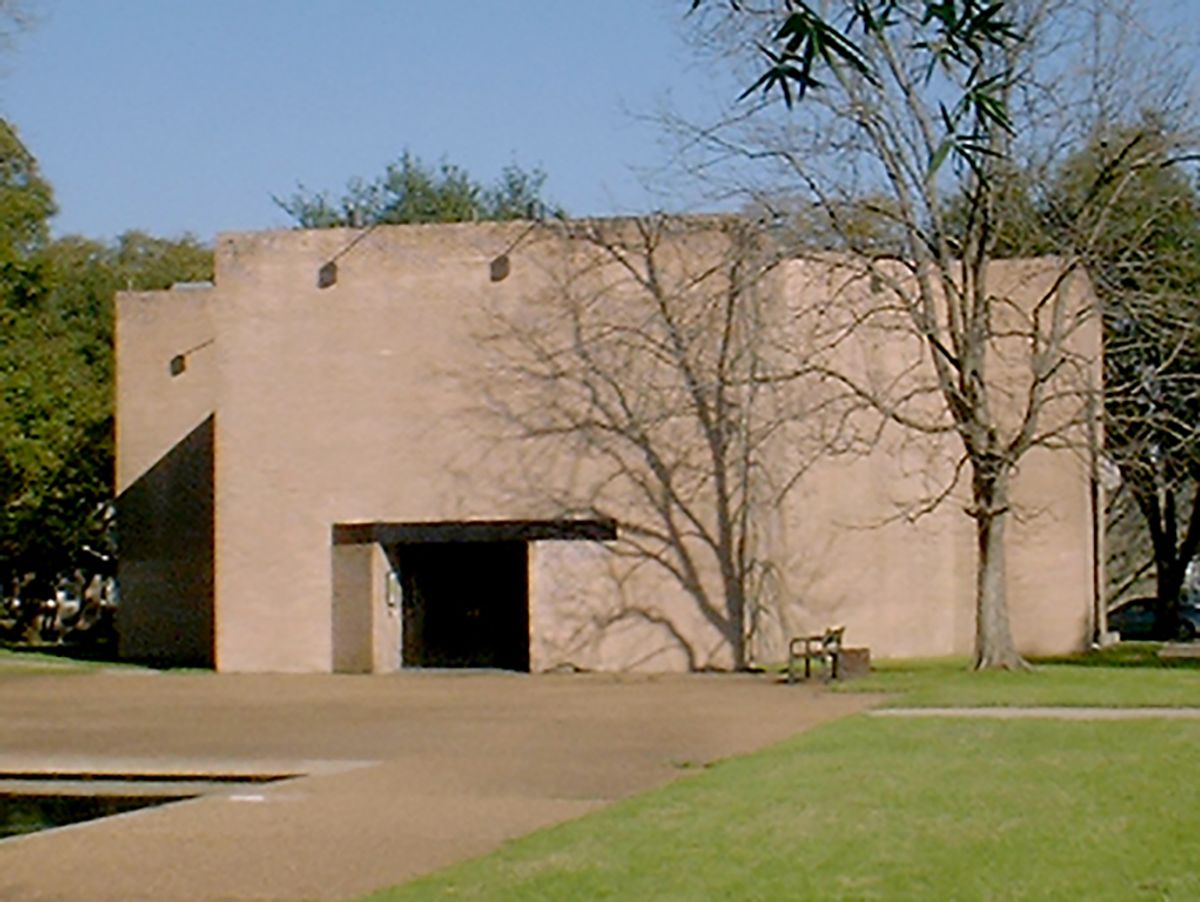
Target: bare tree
(645, 361)
(1125, 206)
(941, 120)
(1152, 427)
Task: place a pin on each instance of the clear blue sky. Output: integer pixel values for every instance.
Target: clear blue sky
(186, 115)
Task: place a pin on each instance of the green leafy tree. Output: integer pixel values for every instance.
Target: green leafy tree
(56, 372)
(410, 191)
(26, 205)
(959, 46)
(56, 369)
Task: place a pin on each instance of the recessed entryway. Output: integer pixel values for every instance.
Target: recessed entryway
(445, 594)
(464, 604)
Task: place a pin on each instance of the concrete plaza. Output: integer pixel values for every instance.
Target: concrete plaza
(403, 773)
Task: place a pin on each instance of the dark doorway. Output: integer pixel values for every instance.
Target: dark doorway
(464, 604)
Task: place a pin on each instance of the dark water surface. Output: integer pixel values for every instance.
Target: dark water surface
(29, 813)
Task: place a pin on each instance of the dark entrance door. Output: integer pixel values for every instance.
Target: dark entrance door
(465, 604)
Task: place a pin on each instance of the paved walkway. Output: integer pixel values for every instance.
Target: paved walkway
(1045, 713)
(407, 773)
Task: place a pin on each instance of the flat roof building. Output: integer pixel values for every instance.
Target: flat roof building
(358, 451)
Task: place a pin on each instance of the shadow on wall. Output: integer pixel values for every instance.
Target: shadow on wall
(165, 558)
(597, 610)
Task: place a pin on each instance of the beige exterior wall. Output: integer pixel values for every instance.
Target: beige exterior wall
(156, 410)
(588, 611)
(360, 402)
(338, 405)
(861, 547)
(165, 435)
(906, 589)
(366, 613)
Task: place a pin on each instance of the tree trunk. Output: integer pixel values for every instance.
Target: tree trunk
(1168, 585)
(1171, 557)
(736, 605)
(994, 648)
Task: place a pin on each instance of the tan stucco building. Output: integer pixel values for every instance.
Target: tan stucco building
(310, 478)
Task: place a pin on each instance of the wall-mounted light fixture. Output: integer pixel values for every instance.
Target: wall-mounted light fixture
(501, 266)
(327, 275)
(178, 363)
(498, 269)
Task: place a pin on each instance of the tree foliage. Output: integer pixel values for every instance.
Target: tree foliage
(957, 44)
(26, 205)
(411, 191)
(1139, 215)
(56, 369)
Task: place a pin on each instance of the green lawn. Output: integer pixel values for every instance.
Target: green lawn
(1126, 676)
(25, 662)
(882, 808)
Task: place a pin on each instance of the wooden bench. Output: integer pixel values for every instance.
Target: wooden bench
(825, 647)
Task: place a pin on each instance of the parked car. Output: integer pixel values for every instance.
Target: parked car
(1134, 619)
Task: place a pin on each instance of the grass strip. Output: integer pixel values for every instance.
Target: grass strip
(885, 809)
(1130, 675)
(29, 662)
